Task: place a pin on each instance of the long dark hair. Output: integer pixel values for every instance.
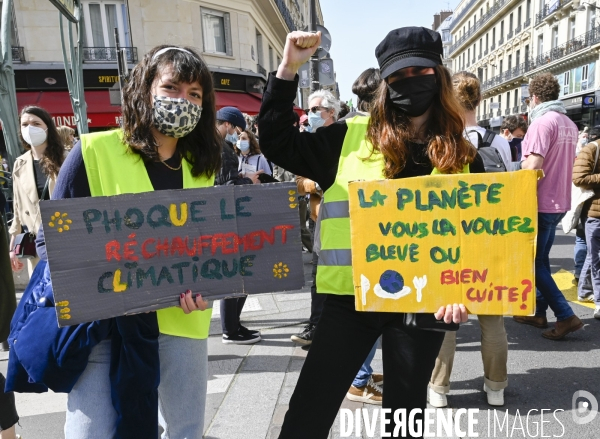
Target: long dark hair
(202, 147)
(54, 155)
(390, 130)
(366, 87)
(254, 148)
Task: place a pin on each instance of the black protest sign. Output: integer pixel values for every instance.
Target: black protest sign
(111, 256)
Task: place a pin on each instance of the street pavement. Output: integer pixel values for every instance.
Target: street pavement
(249, 387)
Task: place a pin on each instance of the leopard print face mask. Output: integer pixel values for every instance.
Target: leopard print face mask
(175, 117)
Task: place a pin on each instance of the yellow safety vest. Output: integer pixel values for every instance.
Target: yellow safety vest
(334, 273)
(113, 170)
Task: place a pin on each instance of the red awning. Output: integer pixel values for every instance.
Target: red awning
(99, 111)
(248, 103)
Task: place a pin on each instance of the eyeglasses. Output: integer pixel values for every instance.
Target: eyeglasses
(315, 109)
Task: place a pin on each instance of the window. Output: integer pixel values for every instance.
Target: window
(571, 28)
(469, 57)
(271, 59)
(502, 29)
(584, 77)
(591, 18)
(554, 37)
(480, 47)
(516, 104)
(259, 49)
(494, 36)
(100, 18)
(528, 11)
(487, 41)
(507, 100)
(540, 45)
(510, 22)
(216, 32)
(484, 108)
(509, 62)
(566, 82)
(501, 69)
(519, 16)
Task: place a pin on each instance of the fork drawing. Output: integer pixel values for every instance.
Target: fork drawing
(419, 283)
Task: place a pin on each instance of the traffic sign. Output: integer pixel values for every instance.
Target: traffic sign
(304, 74)
(326, 72)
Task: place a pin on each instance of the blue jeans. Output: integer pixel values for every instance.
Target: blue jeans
(183, 376)
(580, 252)
(548, 293)
(365, 372)
(589, 282)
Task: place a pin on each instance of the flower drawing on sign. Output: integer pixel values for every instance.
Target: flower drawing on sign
(60, 221)
(63, 309)
(292, 199)
(280, 270)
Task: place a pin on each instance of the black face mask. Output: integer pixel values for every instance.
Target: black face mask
(414, 95)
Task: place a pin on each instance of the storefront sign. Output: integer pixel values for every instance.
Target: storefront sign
(229, 82)
(588, 102)
(421, 243)
(112, 256)
(95, 120)
(56, 79)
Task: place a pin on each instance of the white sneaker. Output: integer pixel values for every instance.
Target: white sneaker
(494, 397)
(597, 313)
(436, 399)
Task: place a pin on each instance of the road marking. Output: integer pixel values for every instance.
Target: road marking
(564, 281)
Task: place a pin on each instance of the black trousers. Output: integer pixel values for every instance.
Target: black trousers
(317, 301)
(8, 411)
(230, 314)
(343, 339)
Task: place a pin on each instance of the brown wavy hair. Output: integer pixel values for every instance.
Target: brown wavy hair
(467, 89)
(54, 155)
(254, 147)
(390, 130)
(545, 86)
(202, 147)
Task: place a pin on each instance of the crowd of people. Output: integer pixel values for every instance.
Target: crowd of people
(413, 118)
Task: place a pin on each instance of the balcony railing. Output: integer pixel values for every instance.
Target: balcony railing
(499, 113)
(548, 10)
(18, 54)
(500, 41)
(473, 61)
(480, 55)
(491, 114)
(515, 110)
(492, 47)
(462, 13)
(261, 70)
(509, 35)
(527, 23)
(485, 52)
(523, 108)
(287, 16)
(518, 30)
(588, 39)
(507, 112)
(490, 14)
(109, 54)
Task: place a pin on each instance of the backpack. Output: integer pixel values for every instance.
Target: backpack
(492, 160)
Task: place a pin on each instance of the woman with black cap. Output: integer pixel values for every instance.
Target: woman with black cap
(415, 127)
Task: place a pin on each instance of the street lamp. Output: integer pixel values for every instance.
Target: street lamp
(583, 8)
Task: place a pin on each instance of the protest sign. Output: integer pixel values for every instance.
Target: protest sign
(421, 243)
(111, 256)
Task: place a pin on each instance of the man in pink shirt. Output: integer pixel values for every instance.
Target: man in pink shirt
(550, 145)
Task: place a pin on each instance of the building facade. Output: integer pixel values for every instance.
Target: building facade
(441, 24)
(241, 41)
(507, 42)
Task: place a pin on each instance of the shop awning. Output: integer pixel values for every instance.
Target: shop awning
(99, 110)
(248, 103)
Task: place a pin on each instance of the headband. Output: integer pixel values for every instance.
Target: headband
(166, 49)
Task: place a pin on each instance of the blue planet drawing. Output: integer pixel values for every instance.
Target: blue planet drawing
(391, 281)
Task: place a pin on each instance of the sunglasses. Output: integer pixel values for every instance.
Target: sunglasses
(315, 109)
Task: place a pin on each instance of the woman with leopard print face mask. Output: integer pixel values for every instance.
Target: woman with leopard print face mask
(168, 135)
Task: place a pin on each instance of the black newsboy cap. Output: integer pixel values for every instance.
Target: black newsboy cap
(409, 47)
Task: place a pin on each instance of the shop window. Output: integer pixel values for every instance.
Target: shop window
(100, 18)
(216, 32)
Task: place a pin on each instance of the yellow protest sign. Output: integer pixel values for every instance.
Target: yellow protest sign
(420, 243)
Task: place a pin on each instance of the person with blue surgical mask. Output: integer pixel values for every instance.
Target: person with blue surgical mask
(323, 109)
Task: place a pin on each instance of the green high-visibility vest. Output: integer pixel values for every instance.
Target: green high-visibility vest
(357, 162)
(113, 170)
(334, 273)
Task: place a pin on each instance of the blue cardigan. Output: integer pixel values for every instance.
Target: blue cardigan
(44, 356)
